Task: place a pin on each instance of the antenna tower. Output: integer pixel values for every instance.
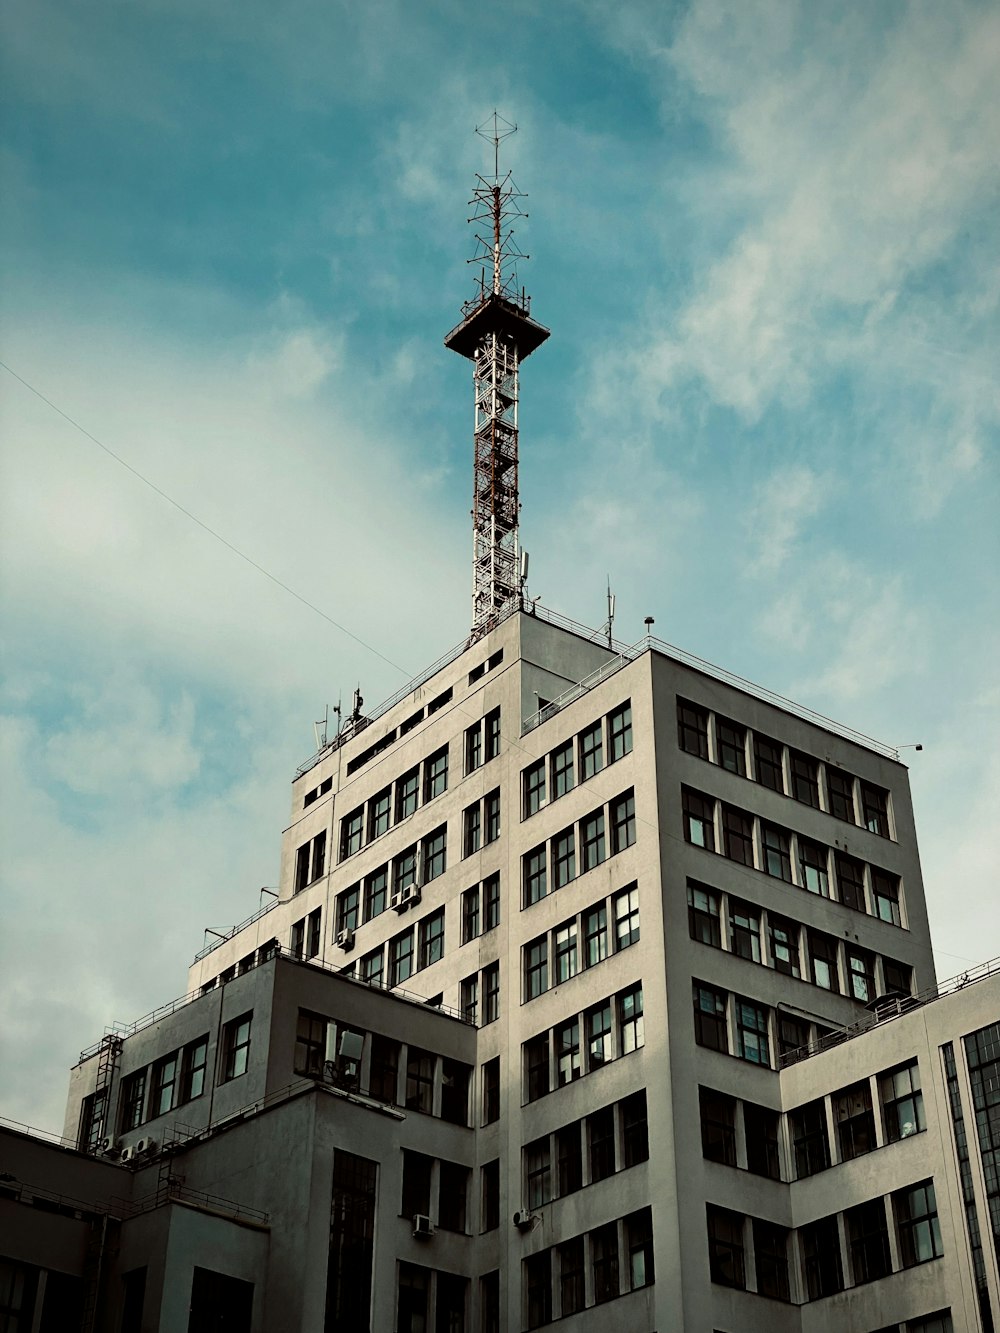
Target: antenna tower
(496, 334)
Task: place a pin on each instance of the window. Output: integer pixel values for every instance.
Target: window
(699, 819)
(703, 915)
(751, 1033)
(692, 729)
(436, 774)
(917, 1224)
(840, 791)
(407, 791)
(569, 1159)
(793, 1036)
(562, 770)
(490, 1177)
(626, 911)
(535, 886)
(784, 941)
(453, 1192)
(604, 1261)
(470, 914)
(810, 1145)
(491, 725)
(725, 1247)
(777, 856)
(313, 932)
(885, 891)
(718, 1126)
(371, 967)
(814, 865)
(566, 952)
(310, 861)
(431, 936)
(236, 1047)
(634, 1129)
(767, 762)
(598, 1021)
(419, 1080)
(401, 957)
(770, 1245)
(902, 1102)
(821, 1252)
(384, 1079)
(620, 733)
(622, 822)
(376, 892)
(823, 960)
(538, 1288)
(349, 908)
(851, 882)
(537, 1173)
(417, 1170)
(710, 1018)
(404, 868)
(744, 930)
(471, 830)
(379, 809)
(219, 1301)
(563, 858)
(413, 1297)
(932, 1323)
(491, 993)
(194, 1059)
(491, 817)
(861, 974)
(854, 1121)
(868, 1241)
(601, 1143)
(731, 744)
(352, 828)
(595, 933)
(568, 1065)
(630, 1025)
(491, 902)
(92, 1117)
(473, 747)
(533, 788)
(760, 1128)
(470, 997)
(898, 977)
(133, 1100)
(805, 780)
(875, 809)
(591, 751)
(536, 1061)
(737, 835)
(536, 967)
(435, 854)
(592, 839)
(572, 1282)
(491, 1091)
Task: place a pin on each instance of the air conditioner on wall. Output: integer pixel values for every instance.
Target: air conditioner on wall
(396, 900)
(422, 1225)
(345, 938)
(411, 895)
(524, 1220)
(144, 1147)
(127, 1155)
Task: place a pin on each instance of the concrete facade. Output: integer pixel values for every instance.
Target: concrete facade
(659, 943)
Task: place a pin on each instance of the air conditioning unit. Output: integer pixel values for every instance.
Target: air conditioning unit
(524, 1220)
(144, 1147)
(396, 901)
(345, 938)
(410, 895)
(423, 1226)
(107, 1148)
(127, 1155)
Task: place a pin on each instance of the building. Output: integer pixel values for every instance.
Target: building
(598, 988)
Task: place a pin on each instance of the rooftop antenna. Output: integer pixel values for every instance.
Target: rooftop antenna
(611, 614)
(321, 727)
(496, 334)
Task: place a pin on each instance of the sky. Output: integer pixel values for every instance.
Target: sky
(234, 235)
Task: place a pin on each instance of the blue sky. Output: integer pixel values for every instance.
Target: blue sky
(764, 237)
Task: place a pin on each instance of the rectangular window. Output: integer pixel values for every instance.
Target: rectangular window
(604, 1261)
(710, 1018)
(569, 1159)
(744, 930)
(595, 933)
(563, 858)
(875, 809)
(431, 938)
(194, 1059)
(851, 881)
(473, 747)
(491, 1091)
(601, 1143)
(731, 741)
(631, 1035)
(840, 790)
(562, 770)
(703, 915)
(413, 1298)
(767, 762)
(770, 1244)
(538, 1173)
(718, 1126)
(349, 908)
(490, 1176)
(471, 829)
(814, 864)
(92, 1117)
(725, 1247)
(593, 850)
(591, 751)
(566, 959)
(453, 1192)
(435, 853)
(379, 808)
(384, 1080)
(760, 1127)
(776, 845)
(536, 967)
(598, 1021)
(535, 886)
(572, 1278)
(821, 1253)
(784, 940)
(823, 961)
(692, 729)
(751, 1033)
(533, 788)
(491, 817)
(404, 868)
(861, 974)
(737, 835)
(491, 726)
(401, 957)
(376, 892)
(854, 1120)
(436, 774)
(567, 1037)
(491, 902)
(370, 968)
(470, 914)
(302, 866)
(898, 977)
(810, 1145)
(536, 1066)
(236, 1047)
(310, 1044)
(902, 1102)
(625, 906)
(538, 1289)
(885, 891)
(470, 998)
(313, 932)
(805, 779)
(133, 1101)
(917, 1224)
(620, 733)
(793, 1038)
(491, 993)
(352, 829)
(639, 1240)
(407, 792)
(699, 819)
(635, 1129)
(420, 1080)
(622, 812)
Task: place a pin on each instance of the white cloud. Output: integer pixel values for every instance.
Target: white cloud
(783, 503)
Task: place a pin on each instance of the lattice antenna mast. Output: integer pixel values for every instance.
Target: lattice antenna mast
(496, 334)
